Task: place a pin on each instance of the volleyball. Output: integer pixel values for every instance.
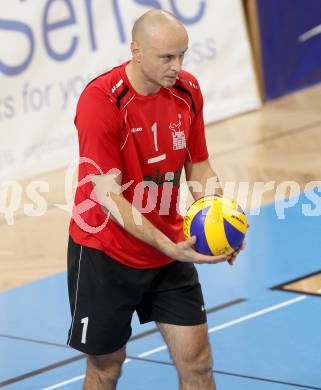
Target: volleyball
(219, 224)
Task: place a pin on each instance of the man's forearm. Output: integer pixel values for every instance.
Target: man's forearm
(204, 178)
(209, 185)
(136, 223)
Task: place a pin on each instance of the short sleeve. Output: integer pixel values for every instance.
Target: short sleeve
(98, 126)
(197, 149)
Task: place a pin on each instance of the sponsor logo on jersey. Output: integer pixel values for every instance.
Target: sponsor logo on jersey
(179, 140)
(116, 86)
(164, 178)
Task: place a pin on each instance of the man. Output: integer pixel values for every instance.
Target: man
(138, 126)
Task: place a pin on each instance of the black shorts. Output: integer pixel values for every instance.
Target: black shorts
(104, 294)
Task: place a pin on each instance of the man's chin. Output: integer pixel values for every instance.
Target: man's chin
(169, 82)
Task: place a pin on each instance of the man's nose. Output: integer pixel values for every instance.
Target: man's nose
(176, 65)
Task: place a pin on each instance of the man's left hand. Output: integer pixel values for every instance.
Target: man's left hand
(232, 258)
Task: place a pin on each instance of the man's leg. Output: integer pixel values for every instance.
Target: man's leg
(103, 371)
(191, 353)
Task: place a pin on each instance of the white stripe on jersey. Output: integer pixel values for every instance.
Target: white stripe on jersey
(189, 107)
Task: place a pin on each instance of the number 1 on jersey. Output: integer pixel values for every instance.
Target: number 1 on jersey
(157, 158)
(154, 130)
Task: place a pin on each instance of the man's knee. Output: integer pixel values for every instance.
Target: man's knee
(106, 367)
(197, 365)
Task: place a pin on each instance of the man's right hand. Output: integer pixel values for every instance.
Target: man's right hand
(184, 251)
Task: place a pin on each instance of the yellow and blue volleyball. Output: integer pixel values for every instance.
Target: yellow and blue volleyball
(218, 223)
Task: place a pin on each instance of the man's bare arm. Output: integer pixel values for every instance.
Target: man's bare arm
(108, 192)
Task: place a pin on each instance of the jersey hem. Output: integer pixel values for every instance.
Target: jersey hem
(96, 244)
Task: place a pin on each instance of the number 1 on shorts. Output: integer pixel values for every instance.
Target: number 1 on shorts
(84, 330)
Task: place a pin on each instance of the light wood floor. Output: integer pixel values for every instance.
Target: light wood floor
(309, 284)
(280, 142)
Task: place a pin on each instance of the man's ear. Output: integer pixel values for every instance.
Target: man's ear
(136, 51)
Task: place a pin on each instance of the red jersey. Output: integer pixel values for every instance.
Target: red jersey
(148, 139)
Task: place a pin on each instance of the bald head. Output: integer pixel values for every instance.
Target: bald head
(156, 24)
(158, 47)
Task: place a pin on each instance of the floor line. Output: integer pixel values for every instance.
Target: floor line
(285, 133)
(8, 336)
(234, 374)
(41, 370)
(257, 313)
